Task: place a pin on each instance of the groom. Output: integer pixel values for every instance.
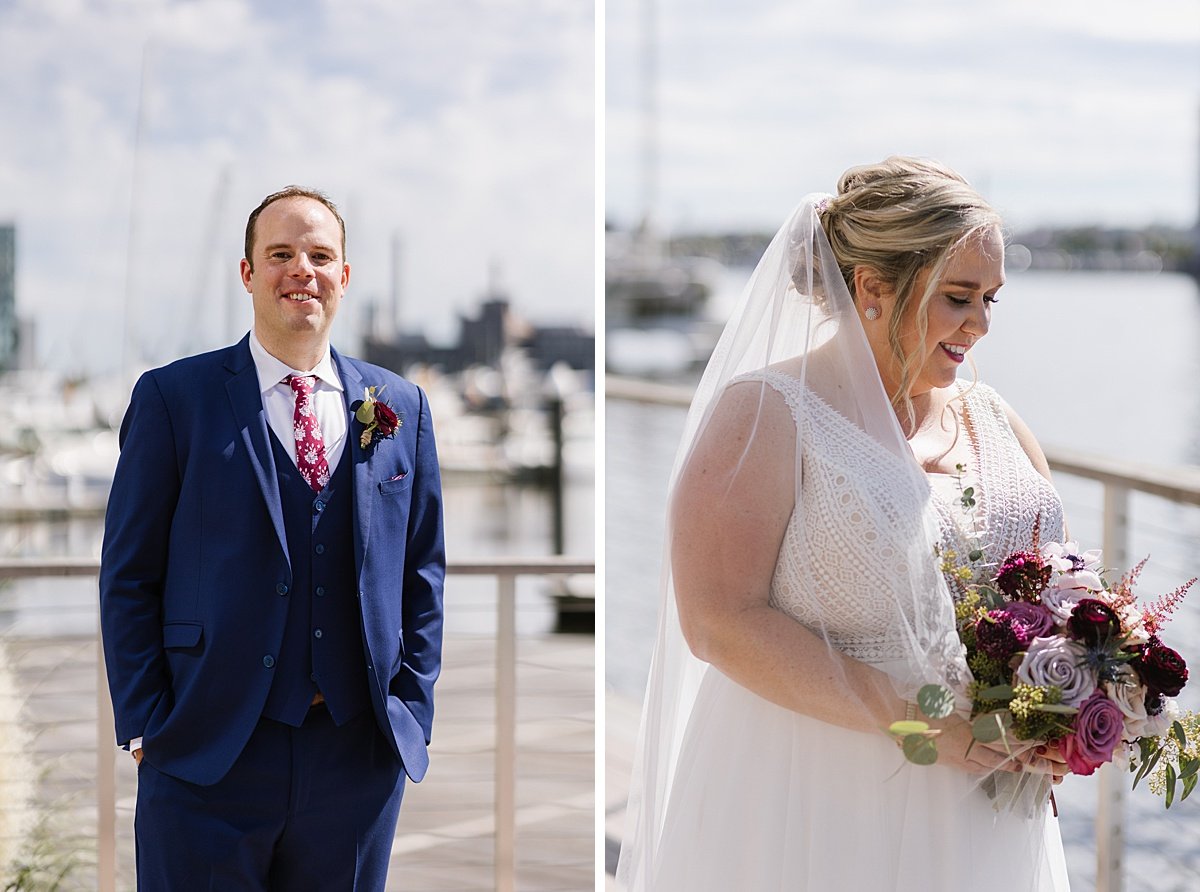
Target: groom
(271, 588)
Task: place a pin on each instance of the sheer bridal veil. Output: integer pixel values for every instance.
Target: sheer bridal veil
(796, 317)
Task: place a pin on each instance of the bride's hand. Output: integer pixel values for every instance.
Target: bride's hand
(957, 746)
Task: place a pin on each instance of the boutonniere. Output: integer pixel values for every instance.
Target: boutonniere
(379, 420)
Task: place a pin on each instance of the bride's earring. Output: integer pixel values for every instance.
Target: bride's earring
(872, 313)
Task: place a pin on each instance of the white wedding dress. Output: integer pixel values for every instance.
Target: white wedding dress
(766, 799)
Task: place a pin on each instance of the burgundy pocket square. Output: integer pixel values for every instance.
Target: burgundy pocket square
(399, 476)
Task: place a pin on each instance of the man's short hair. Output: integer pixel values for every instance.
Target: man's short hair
(290, 192)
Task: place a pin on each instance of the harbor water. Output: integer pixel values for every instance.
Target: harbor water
(1103, 363)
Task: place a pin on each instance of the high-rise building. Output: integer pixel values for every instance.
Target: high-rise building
(8, 296)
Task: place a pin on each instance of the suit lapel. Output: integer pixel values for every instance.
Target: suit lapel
(364, 478)
(246, 400)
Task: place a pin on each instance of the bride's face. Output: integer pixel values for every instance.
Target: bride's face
(959, 311)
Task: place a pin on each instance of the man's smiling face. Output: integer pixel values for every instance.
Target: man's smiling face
(297, 275)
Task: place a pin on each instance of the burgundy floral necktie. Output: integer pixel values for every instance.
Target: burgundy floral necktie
(310, 446)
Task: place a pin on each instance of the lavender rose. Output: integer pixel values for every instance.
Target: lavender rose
(1061, 597)
(1098, 729)
(1059, 662)
(1028, 621)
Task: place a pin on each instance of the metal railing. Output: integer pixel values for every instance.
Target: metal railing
(1118, 480)
(506, 571)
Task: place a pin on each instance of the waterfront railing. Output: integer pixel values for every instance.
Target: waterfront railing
(504, 818)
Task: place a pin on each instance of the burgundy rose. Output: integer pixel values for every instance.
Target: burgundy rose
(1023, 575)
(386, 419)
(1161, 669)
(1098, 728)
(1028, 621)
(995, 636)
(1094, 622)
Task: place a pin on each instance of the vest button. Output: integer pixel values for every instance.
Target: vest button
(281, 588)
(320, 591)
(269, 661)
(318, 506)
(320, 549)
(317, 633)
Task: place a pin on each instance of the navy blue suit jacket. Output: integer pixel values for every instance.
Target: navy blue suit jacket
(195, 557)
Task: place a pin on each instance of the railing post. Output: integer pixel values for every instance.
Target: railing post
(106, 782)
(1110, 807)
(506, 732)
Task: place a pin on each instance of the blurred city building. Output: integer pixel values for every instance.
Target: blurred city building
(8, 296)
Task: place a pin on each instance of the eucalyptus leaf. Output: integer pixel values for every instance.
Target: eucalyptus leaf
(1147, 747)
(1058, 708)
(996, 692)
(1148, 767)
(990, 597)
(991, 727)
(975, 555)
(920, 750)
(905, 728)
(936, 701)
(1180, 734)
(968, 492)
(1170, 784)
(1188, 767)
(1189, 784)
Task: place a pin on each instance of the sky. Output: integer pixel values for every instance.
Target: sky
(1061, 112)
(137, 135)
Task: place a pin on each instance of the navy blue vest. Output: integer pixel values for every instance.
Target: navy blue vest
(322, 647)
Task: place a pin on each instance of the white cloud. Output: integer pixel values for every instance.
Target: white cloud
(1068, 111)
(466, 127)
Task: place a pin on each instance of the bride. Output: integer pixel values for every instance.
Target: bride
(820, 490)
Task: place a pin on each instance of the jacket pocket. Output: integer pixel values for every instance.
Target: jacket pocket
(396, 484)
(182, 634)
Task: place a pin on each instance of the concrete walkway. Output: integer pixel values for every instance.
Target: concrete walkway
(444, 839)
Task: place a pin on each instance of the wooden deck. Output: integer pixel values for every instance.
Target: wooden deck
(444, 838)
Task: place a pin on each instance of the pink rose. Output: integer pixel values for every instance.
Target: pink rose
(1098, 728)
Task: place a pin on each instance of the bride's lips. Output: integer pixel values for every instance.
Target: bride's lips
(951, 351)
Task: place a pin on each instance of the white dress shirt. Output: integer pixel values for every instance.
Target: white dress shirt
(279, 401)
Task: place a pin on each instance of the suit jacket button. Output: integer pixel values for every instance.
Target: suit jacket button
(269, 661)
(320, 591)
(318, 633)
(319, 506)
(320, 549)
(281, 588)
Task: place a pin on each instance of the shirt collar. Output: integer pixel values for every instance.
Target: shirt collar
(272, 371)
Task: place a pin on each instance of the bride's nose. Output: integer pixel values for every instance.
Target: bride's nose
(979, 321)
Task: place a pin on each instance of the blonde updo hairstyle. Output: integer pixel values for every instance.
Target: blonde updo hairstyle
(899, 218)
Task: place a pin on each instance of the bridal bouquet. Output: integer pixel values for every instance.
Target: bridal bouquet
(1060, 657)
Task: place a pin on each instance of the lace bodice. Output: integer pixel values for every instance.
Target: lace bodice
(1012, 498)
(843, 568)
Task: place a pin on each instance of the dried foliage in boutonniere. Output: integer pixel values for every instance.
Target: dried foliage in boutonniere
(379, 420)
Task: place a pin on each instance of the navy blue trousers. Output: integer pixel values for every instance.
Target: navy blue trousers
(308, 808)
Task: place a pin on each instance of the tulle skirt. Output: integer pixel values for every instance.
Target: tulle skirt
(766, 799)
